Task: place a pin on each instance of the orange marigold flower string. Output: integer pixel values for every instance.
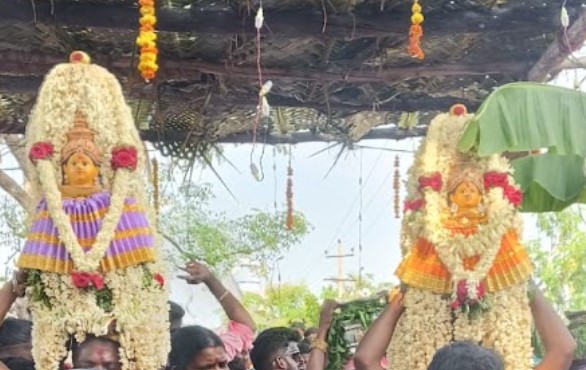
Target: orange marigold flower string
(147, 40)
(416, 31)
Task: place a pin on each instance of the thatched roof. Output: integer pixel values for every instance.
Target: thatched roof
(339, 67)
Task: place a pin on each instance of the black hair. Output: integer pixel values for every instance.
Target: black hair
(77, 347)
(465, 356)
(237, 364)
(17, 363)
(268, 343)
(310, 332)
(578, 365)
(176, 312)
(15, 331)
(298, 325)
(187, 342)
(304, 347)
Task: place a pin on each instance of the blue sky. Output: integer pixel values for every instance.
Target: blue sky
(331, 204)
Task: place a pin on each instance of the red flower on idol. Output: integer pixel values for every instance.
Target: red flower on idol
(81, 280)
(495, 179)
(97, 281)
(41, 150)
(413, 205)
(124, 157)
(85, 280)
(433, 181)
(514, 195)
(160, 279)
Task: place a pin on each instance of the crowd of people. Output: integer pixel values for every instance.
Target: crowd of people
(281, 348)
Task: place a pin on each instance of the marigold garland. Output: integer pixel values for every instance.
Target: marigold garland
(416, 31)
(289, 221)
(147, 40)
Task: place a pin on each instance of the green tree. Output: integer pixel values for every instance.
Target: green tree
(197, 232)
(283, 305)
(357, 287)
(558, 256)
(287, 303)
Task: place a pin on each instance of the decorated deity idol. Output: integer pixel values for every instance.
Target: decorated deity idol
(91, 251)
(464, 270)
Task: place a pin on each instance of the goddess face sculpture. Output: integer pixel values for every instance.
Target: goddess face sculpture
(466, 196)
(79, 170)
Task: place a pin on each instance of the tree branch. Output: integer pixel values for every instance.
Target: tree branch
(559, 50)
(9, 185)
(16, 144)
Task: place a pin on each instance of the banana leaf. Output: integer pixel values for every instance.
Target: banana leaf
(526, 116)
(550, 182)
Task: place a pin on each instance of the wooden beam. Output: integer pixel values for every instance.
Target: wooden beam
(559, 50)
(19, 84)
(12, 63)
(292, 24)
(372, 74)
(382, 133)
(398, 104)
(219, 103)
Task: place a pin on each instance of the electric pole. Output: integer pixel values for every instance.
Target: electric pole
(340, 279)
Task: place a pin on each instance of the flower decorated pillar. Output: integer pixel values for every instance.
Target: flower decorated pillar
(91, 252)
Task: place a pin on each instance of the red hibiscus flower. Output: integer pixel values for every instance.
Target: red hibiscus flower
(434, 181)
(455, 304)
(97, 281)
(495, 179)
(462, 291)
(81, 280)
(413, 205)
(40, 150)
(124, 158)
(159, 279)
(514, 195)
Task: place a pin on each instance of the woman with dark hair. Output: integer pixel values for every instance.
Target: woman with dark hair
(197, 348)
(15, 344)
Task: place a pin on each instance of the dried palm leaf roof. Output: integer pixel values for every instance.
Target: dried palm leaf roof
(339, 67)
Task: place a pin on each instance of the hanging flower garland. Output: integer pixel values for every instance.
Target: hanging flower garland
(290, 220)
(397, 188)
(147, 40)
(416, 31)
(156, 191)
